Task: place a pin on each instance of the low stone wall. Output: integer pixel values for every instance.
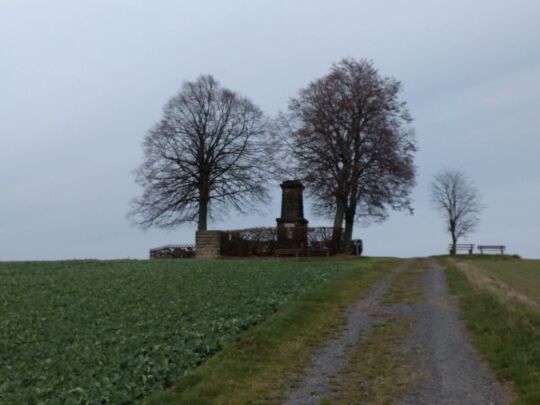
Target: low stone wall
(208, 244)
(173, 252)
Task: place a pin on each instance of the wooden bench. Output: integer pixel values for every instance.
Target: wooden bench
(461, 247)
(488, 248)
(318, 252)
(288, 252)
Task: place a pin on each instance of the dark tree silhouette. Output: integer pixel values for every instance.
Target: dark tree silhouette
(458, 200)
(353, 144)
(210, 152)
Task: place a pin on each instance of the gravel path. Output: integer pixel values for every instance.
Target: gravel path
(327, 361)
(453, 372)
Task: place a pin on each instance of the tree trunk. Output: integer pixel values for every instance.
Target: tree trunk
(349, 224)
(203, 214)
(338, 223)
(454, 237)
(203, 209)
(454, 241)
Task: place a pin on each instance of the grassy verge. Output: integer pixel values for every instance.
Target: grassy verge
(257, 367)
(379, 371)
(516, 279)
(506, 333)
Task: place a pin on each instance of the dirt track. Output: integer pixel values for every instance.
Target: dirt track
(451, 370)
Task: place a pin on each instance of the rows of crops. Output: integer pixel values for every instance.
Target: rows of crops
(112, 331)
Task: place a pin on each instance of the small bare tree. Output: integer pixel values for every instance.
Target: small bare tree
(209, 152)
(458, 200)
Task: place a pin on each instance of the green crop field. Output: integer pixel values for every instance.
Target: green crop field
(114, 331)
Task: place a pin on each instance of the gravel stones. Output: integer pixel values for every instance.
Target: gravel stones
(452, 370)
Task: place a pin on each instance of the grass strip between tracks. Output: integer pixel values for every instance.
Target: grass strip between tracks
(379, 371)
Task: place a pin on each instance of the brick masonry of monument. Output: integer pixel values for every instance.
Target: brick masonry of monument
(208, 244)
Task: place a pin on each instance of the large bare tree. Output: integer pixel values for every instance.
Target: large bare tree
(353, 144)
(209, 152)
(458, 200)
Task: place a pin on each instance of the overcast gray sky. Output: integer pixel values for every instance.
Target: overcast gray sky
(82, 81)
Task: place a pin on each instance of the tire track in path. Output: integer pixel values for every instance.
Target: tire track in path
(330, 359)
(452, 370)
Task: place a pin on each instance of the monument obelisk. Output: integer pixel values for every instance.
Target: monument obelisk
(292, 226)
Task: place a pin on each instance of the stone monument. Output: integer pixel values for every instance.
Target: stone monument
(292, 226)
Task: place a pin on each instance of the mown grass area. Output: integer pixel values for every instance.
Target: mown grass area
(114, 331)
(506, 331)
(262, 365)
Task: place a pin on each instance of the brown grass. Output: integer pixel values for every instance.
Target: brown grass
(492, 282)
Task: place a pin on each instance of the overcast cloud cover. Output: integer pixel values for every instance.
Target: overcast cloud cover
(82, 81)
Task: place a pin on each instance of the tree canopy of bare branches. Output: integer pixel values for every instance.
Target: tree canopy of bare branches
(353, 144)
(458, 201)
(209, 153)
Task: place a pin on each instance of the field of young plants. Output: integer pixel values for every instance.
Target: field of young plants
(113, 331)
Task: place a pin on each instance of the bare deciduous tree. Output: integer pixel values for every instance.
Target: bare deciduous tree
(209, 152)
(457, 199)
(353, 144)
